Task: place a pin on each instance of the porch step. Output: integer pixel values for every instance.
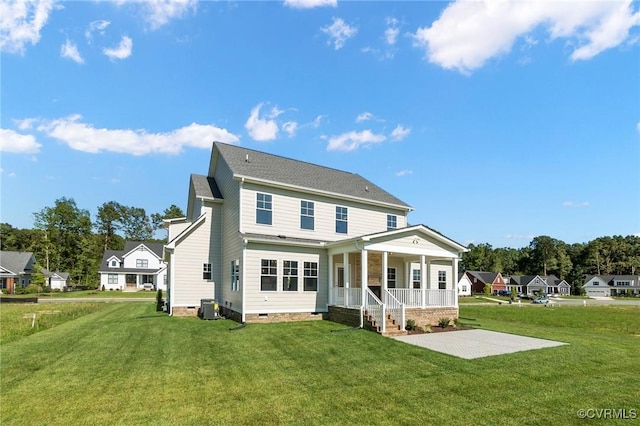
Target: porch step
(392, 328)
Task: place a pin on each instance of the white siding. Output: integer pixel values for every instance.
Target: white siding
(175, 229)
(141, 253)
(188, 286)
(362, 218)
(258, 301)
(464, 281)
(104, 281)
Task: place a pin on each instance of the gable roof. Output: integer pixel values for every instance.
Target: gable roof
(483, 276)
(274, 169)
(205, 186)
(610, 279)
(17, 262)
(156, 248)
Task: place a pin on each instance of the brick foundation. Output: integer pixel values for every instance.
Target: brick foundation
(346, 316)
(184, 311)
(430, 316)
(284, 317)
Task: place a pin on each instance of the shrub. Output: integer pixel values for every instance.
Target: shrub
(487, 290)
(159, 301)
(102, 287)
(32, 289)
(411, 324)
(443, 322)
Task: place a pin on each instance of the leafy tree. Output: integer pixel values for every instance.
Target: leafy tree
(172, 212)
(544, 252)
(109, 222)
(478, 258)
(135, 224)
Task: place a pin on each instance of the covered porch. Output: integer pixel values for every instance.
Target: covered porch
(406, 271)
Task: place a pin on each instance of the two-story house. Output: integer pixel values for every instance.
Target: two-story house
(611, 285)
(138, 267)
(272, 239)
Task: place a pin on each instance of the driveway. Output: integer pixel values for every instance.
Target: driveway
(471, 344)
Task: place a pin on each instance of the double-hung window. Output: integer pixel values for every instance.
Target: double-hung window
(142, 263)
(269, 275)
(392, 222)
(290, 275)
(442, 280)
(264, 208)
(391, 277)
(113, 279)
(416, 278)
(206, 271)
(307, 214)
(310, 276)
(235, 275)
(341, 220)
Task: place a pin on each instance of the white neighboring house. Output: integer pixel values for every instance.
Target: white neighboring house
(56, 280)
(596, 286)
(464, 286)
(611, 285)
(138, 267)
(276, 239)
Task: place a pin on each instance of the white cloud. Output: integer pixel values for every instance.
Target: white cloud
(159, 12)
(519, 237)
(316, 122)
(70, 50)
(467, 34)
(575, 204)
(308, 4)
(339, 32)
(392, 31)
(262, 129)
(400, 133)
(12, 141)
(122, 51)
(638, 127)
(25, 124)
(94, 26)
(290, 128)
(353, 140)
(365, 116)
(86, 138)
(21, 22)
(404, 172)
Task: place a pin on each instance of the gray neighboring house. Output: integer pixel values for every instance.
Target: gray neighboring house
(16, 269)
(611, 285)
(534, 285)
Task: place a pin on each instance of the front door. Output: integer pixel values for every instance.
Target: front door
(339, 276)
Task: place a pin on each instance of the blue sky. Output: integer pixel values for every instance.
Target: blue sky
(497, 121)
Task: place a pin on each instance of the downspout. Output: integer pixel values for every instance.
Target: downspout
(244, 246)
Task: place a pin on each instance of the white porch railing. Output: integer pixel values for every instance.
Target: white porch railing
(347, 297)
(376, 309)
(412, 297)
(395, 308)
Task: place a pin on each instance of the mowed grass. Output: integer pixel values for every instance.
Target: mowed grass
(86, 294)
(127, 364)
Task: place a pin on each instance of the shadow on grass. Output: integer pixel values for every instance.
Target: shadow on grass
(153, 316)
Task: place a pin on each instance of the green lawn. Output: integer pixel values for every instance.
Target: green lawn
(86, 293)
(126, 364)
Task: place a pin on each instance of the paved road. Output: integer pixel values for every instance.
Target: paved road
(590, 302)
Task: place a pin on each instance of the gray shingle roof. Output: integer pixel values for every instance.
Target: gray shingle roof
(17, 261)
(274, 168)
(156, 248)
(483, 276)
(205, 186)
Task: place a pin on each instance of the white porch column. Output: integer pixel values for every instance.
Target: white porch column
(455, 281)
(423, 281)
(347, 274)
(331, 283)
(385, 260)
(364, 274)
(408, 275)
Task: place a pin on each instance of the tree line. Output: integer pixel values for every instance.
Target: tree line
(65, 239)
(545, 255)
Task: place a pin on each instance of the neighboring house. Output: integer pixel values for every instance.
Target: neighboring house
(464, 285)
(16, 269)
(56, 280)
(276, 239)
(535, 285)
(139, 266)
(479, 279)
(611, 285)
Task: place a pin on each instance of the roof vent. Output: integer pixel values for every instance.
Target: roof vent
(366, 188)
(246, 158)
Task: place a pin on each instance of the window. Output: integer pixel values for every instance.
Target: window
(235, 275)
(263, 209)
(622, 283)
(341, 220)
(112, 279)
(442, 280)
(268, 275)
(290, 275)
(142, 263)
(310, 276)
(464, 288)
(596, 282)
(206, 271)
(392, 222)
(114, 263)
(391, 277)
(306, 214)
(166, 279)
(416, 279)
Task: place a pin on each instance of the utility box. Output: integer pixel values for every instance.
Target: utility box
(209, 309)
